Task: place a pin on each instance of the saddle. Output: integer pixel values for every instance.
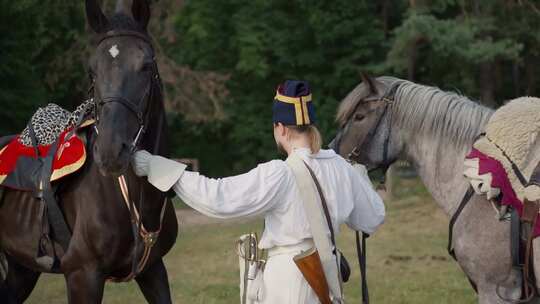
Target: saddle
(500, 166)
(504, 157)
(49, 148)
(51, 131)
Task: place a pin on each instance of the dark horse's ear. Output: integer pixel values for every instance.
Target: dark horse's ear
(141, 12)
(369, 81)
(97, 20)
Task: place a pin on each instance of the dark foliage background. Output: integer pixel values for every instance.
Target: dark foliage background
(221, 60)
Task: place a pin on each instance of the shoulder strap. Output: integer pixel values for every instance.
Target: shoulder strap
(324, 205)
(315, 216)
(360, 242)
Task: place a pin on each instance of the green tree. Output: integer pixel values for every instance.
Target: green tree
(260, 44)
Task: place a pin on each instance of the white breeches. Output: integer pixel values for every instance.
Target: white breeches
(283, 282)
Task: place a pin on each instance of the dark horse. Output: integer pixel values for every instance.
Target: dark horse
(129, 100)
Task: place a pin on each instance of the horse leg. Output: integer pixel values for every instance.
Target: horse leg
(19, 283)
(536, 261)
(154, 284)
(85, 286)
(507, 291)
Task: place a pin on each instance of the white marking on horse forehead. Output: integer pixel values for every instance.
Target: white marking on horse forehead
(114, 51)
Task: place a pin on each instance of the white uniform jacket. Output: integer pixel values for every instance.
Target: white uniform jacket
(270, 190)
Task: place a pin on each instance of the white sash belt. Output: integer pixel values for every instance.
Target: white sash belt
(289, 249)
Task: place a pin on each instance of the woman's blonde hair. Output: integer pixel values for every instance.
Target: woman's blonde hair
(315, 138)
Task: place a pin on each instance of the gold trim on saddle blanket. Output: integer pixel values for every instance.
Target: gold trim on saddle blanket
(2, 177)
(61, 172)
(68, 169)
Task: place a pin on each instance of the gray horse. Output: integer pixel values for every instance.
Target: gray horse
(386, 118)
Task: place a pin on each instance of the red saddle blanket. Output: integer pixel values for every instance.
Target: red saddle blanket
(16, 160)
(501, 181)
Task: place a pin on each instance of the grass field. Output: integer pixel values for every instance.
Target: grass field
(407, 261)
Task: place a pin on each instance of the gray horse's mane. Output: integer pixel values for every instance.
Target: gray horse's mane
(426, 110)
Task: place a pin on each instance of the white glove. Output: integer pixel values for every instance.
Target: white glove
(362, 170)
(162, 172)
(140, 162)
(532, 193)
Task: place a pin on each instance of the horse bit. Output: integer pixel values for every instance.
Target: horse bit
(138, 109)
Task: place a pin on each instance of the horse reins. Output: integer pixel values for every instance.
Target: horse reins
(142, 111)
(352, 157)
(149, 238)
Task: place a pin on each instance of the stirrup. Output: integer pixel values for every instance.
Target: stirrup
(42, 258)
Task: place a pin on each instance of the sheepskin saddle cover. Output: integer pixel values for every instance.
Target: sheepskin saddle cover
(504, 157)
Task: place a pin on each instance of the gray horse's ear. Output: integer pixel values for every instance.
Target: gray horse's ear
(141, 12)
(97, 20)
(369, 81)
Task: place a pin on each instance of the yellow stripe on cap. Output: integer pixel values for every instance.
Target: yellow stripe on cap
(300, 107)
(298, 113)
(293, 100)
(306, 113)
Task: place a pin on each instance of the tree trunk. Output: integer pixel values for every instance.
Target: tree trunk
(516, 80)
(487, 83)
(530, 74)
(413, 56)
(386, 18)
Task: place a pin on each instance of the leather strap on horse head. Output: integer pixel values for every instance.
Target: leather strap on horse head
(142, 110)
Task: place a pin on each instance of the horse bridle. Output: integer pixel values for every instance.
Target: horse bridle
(388, 99)
(140, 109)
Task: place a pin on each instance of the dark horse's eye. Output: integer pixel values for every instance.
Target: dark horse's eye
(359, 117)
(148, 67)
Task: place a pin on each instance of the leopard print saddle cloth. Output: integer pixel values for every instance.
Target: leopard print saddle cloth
(21, 162)
(50, 121)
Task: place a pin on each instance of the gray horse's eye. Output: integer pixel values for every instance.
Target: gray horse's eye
(359, 117)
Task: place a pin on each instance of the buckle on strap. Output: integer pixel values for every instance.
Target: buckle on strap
(150, 238)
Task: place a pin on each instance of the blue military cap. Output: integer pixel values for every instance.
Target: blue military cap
(293, 105)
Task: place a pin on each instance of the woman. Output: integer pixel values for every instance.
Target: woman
(271, 190)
